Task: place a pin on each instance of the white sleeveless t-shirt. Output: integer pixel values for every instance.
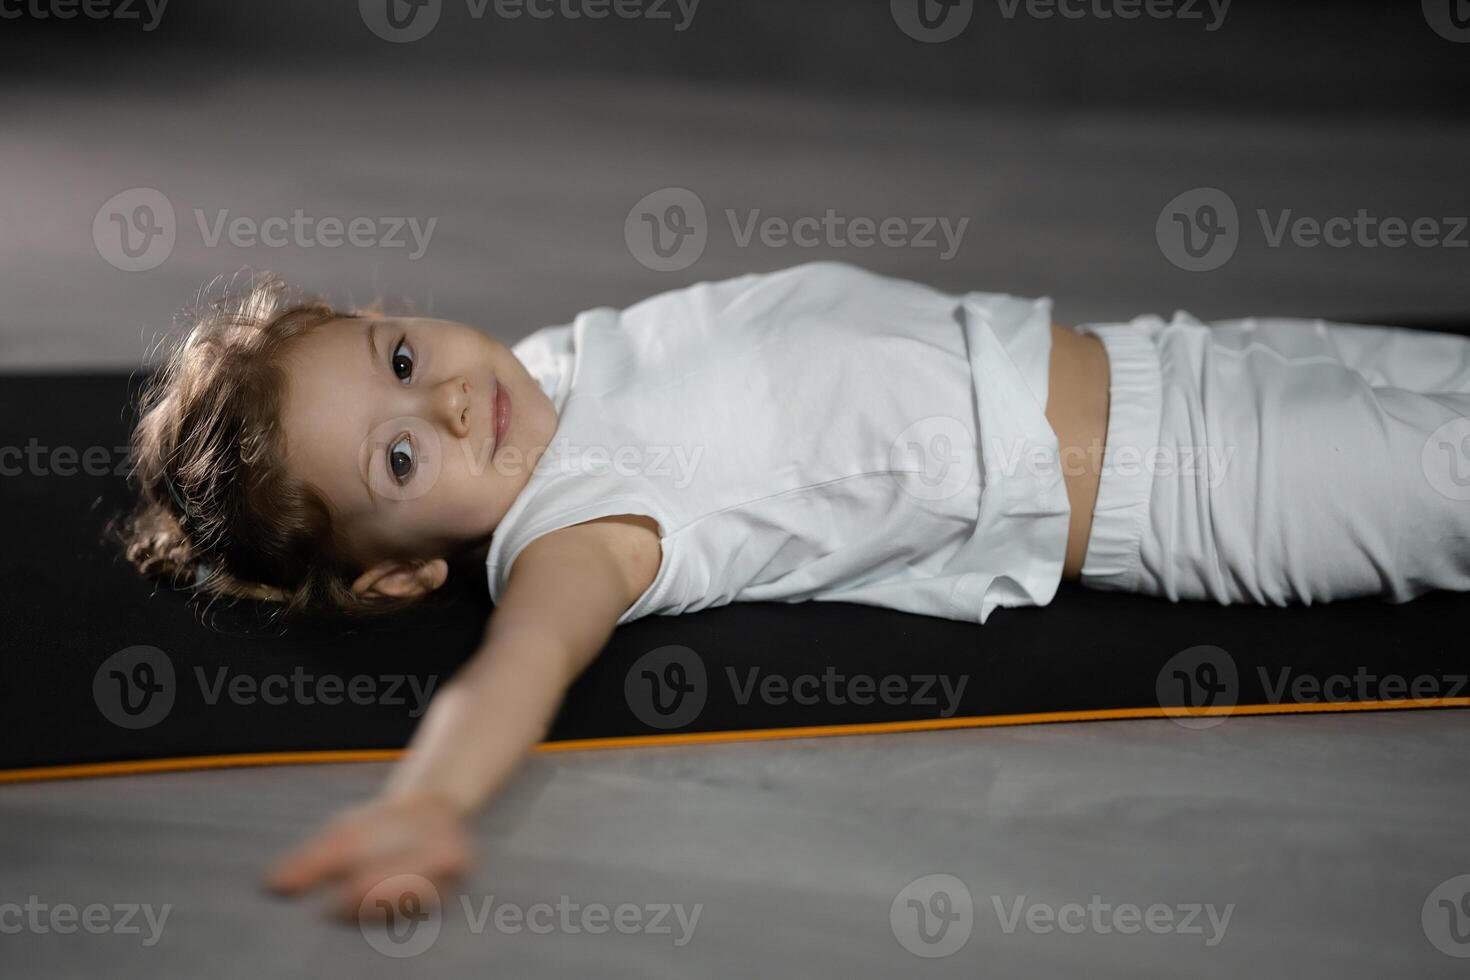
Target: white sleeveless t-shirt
(820, 433)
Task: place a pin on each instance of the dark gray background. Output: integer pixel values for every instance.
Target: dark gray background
(528, 141)
(1344, 57)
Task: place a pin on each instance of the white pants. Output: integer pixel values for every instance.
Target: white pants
(1275, 461)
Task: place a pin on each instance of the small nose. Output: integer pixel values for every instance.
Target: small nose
(450, 405)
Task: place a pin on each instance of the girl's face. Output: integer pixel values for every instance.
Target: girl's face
(419, 433)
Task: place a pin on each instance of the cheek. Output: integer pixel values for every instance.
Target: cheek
(473, 490)
(476, 485)
(511, 470)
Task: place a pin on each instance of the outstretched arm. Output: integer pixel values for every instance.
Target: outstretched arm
(564, 596)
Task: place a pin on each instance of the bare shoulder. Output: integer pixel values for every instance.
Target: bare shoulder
(629, 542)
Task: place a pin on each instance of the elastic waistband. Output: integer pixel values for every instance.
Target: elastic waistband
(1135, 409)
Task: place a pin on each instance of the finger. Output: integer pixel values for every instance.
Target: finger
(325, 856)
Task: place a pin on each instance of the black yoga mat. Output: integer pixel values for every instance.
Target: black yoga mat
(102, 666)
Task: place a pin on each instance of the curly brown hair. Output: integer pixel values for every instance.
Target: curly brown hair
(215, 511)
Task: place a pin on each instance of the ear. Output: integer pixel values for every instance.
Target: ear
(395, 579)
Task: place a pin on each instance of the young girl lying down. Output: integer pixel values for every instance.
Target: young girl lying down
(819, 433)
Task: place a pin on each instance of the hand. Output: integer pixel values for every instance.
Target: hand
(360, 848)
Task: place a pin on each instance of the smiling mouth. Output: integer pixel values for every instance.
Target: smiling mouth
(501, 416)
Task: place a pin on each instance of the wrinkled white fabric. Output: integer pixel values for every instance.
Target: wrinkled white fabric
(1279, 460)
(816, 433)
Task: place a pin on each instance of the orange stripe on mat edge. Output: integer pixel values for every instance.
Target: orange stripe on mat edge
(141, 766)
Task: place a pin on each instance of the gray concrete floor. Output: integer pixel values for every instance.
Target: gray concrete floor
(1324, 835)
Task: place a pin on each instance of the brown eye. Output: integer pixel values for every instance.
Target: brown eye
(403, 361)
(400, 459)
